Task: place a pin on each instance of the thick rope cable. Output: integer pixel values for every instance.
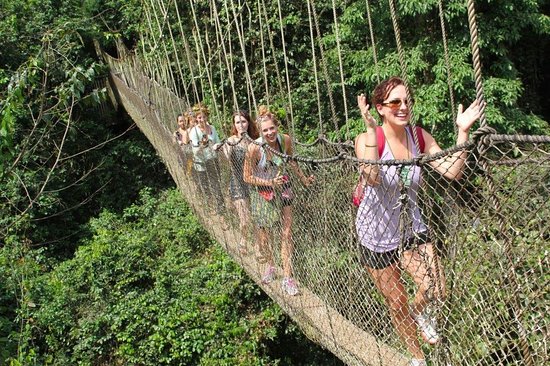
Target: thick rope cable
(476, 60)
(447, 63)
(373, 43)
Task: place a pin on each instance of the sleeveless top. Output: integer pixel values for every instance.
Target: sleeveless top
(268, 169)
(378, 217)
(202, 154)
(238, 189)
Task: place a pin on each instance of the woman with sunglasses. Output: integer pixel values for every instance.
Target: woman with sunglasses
(388, 249)
(235, 151)
(272, 199)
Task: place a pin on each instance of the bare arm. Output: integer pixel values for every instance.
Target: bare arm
(366, 145)
(452, 166)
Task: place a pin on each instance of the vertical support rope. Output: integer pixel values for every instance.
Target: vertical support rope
(325, 71)
(189, 63)
(266, 84)
(320, 131)
(243, 50)
(205, 60)
(403, 65)
(476, 61)
(373, 43)
(228, 59)
(269, 33)
(283, 42)
(447, 63)
(340, 64)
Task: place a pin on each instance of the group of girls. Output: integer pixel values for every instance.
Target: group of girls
(262, 195)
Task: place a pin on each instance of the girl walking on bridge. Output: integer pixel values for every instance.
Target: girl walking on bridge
(235, 151)
(184, 121)
(273, 196)
(389, 243)
(205, 140)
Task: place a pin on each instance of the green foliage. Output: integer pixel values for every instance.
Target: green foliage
(149, 288)
(301, 72)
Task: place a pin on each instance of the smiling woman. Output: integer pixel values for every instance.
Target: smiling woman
(273, 197)
(393, 235)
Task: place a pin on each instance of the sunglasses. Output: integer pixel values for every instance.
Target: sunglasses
(395, 103)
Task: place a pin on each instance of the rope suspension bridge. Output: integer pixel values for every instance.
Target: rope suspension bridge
(490, 227)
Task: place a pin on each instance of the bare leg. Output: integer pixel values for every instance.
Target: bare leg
(244, 221)
(388, 281)
(264, 249)
(287, 246)
(425, 268)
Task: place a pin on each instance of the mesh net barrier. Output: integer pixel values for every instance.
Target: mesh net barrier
(486, 285)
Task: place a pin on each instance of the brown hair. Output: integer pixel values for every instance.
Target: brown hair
(384, 89)
(252, 131)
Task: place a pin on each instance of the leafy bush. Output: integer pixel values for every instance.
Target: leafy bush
(149, 288)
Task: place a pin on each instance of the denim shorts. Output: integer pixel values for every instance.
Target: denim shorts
(377, 260)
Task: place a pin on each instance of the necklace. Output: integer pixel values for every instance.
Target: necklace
(403, 170)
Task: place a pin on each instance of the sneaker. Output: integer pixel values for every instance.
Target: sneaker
(269, 275)
(289, 285)
(418, 362)
(427, 327)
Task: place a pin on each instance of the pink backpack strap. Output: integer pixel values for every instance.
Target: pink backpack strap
(381, 139)
(421, 141)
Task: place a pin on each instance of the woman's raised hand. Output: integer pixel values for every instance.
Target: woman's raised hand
(370, 122)
(466, 118)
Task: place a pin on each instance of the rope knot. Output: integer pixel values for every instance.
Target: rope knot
(481, 137)
(483, 131)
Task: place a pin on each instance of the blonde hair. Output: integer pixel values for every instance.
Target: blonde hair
(201, 108)
(265, 114)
